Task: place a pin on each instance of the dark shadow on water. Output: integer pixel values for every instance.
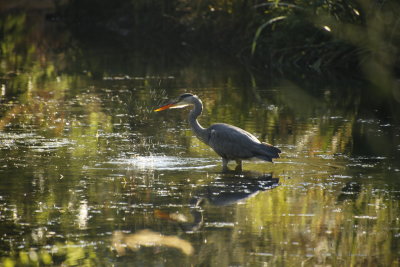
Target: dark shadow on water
(231, 187)
(228, 188)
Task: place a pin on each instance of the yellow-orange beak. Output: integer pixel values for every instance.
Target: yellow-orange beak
(167, 106)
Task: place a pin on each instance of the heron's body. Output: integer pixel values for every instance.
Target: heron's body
(228, 141)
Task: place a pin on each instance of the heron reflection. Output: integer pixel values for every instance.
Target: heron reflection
(227, 189)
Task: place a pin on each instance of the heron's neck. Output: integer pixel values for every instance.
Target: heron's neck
(200, 132)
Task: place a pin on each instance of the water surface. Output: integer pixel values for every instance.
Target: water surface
(90, 175)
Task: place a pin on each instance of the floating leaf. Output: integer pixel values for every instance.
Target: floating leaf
(148, 238)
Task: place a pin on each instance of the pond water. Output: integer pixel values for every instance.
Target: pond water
(90, 175)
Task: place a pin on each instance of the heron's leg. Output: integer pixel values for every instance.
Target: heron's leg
(239, 165)
(225, 164)
(238, 168)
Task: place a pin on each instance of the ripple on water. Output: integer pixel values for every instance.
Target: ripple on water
(165, 163)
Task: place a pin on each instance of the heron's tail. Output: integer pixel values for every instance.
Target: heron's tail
(269, 152)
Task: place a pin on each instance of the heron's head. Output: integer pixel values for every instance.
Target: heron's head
(182, 101)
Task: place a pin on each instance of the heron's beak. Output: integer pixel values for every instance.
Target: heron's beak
(172, 105)
(167, 106)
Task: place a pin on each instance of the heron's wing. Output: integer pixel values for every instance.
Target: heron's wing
(232, 142)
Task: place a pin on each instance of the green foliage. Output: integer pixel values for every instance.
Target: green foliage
(316, 35)
(70, 254)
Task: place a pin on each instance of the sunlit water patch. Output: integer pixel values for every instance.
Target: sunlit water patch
(165, 163)
(31, 141)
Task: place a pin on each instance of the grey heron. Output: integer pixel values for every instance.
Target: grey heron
(228, 141)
